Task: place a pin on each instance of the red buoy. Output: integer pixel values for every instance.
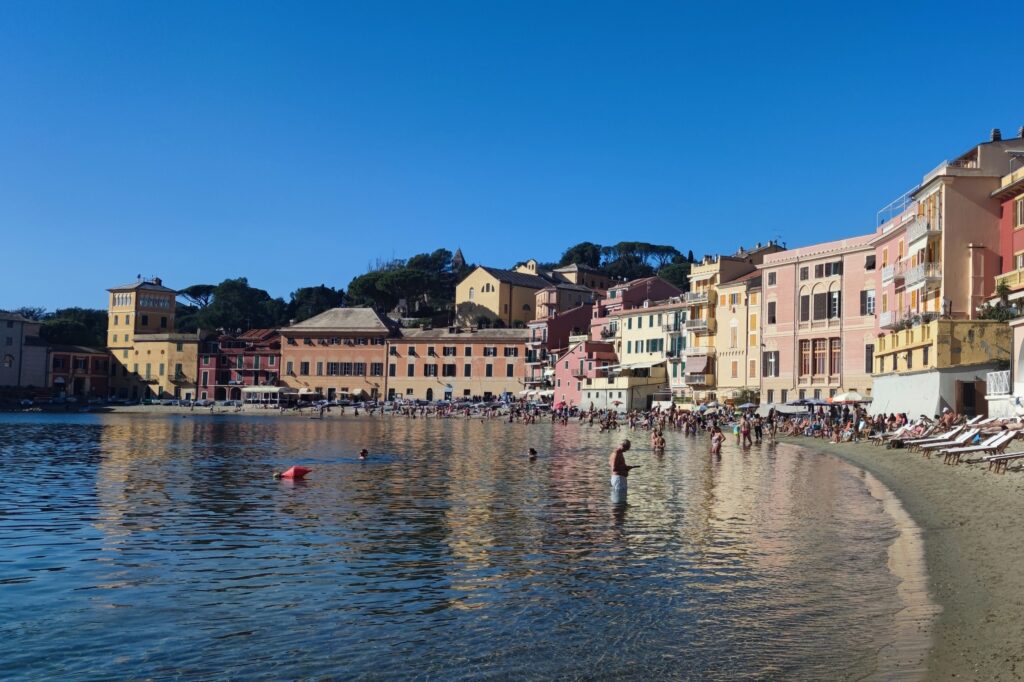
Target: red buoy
(296, 473)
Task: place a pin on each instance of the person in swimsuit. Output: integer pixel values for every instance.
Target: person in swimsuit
(620, 470)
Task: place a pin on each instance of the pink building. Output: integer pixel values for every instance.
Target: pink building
(818, 323)
(626, 296)
(549, 338)
(578, 367)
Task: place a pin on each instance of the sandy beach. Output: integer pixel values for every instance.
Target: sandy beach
(971, 523)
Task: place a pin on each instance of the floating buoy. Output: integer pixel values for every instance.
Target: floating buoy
(294, 473)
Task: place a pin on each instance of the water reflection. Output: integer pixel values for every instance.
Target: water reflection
(144, 546)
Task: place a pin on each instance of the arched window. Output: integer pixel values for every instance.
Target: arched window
(472, 293)
(8, 361)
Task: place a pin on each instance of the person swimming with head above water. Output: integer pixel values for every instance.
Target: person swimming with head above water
(533, 454)
(364, 453)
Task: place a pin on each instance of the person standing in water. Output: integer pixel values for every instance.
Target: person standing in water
(620, 470)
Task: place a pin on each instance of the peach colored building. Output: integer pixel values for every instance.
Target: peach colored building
(455, 363)
(577, 369)
(817, 320)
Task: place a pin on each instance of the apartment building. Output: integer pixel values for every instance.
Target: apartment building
(229, 364)
(79, 371)
(626, 296)
(737, 337)
(456, 363)
(548, 339)
(577, 370)
(22, 353)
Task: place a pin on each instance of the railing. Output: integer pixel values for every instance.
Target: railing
(923, 272)
(888, 319)
(696, 379)
(997, 383)
(699, 350)
(920, 228)
(1013, 279)
(895, 207)
(672, 328)
(696, 297)
(1011, 178)
(700, 326)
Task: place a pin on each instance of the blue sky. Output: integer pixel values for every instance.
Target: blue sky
(294, 143)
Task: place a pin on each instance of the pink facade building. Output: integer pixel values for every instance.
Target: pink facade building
(549, 338)
(818, 320)
(577, 369)
(231, 363)
(626, 296)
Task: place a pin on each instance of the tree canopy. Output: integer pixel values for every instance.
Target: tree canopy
(625, 260)
(310, 301)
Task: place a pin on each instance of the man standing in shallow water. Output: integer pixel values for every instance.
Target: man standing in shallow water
(620, 470)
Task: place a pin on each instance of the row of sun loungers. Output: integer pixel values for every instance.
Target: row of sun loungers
(957, 443)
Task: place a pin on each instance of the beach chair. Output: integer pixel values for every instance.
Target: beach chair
(993, 444)
(960, 440)
(936, 438)
(1001, 462)
(881, 438)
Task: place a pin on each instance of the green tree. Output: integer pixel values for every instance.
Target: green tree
(75, 326)
(309, 301)
(198, 295)
(363, 291)
(236, 305)
(676, 274)
(584, 253)
(406, 283)
(31, 313)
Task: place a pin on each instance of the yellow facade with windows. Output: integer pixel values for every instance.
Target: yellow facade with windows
(497, 297)
(737, 342)
(942, 344)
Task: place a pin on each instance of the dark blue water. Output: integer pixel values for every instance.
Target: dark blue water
(155, 547)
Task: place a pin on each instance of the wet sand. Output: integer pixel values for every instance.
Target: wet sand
(972, 525)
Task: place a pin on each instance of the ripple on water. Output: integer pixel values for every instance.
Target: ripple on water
(151, 547)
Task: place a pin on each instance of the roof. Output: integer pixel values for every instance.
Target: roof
(576, 267)
(755, 274)
(256, 334)
(344, 320)
(14, 317)
(443, 334)
(144, 284)
(64, 348)
(518, 279)
(175, 337)
(569, 286)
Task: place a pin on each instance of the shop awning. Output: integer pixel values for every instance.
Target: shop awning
(267, 389)
(696, 364)
(546, 394)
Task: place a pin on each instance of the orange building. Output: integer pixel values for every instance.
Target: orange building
(339, 353)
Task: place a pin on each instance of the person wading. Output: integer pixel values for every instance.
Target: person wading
(620, 470)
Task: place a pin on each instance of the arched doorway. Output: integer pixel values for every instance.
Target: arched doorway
(220, 394)
(236, 394)
(430, 394)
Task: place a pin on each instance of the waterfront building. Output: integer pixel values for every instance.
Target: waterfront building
(509, 298)
(340, 353)
(549, 338)
(626, 296)
(624, 388)
(22, 353)
(650, 342)
(939, 249)
(457, 363)
(149, 360)
(702, 322)
(79, 371)
(579, 367)
(584, 275)
(817, 322)
(229, 364)
(737, 339)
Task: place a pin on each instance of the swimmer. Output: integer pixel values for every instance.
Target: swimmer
(533, 454)
(364, 453)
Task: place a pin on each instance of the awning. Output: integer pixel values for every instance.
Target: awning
(267, 389)
(308, 391)
(696, 364)
(702, 277)
(546, 394)
(549, 372)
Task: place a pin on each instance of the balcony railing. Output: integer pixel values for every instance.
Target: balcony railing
(700, 326)
(921, 228)
(699, 350)
(696, 297)
(924, 272)
(893, 272)
(673, 328)
(887, 320)
(1013, 279)
(697, 379)
(997, 383)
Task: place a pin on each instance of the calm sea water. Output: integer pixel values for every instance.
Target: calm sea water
(155, 546)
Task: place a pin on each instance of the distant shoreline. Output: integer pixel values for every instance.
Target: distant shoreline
(970, 522)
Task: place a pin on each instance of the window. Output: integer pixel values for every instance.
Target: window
(490, 351)
(867, 302)
(410, 370)
(753, 369)
(511, 352)
(205, 379)
(869, 262)
(319, 368)
(771, 396)
(805, 308)
(472, 293)
(448, 351)
(163, 323)
(753, 320)
(288, 368)
(803, 273)
(1018, 261)
(771, 312)
(783, 395)
(411, 350)
(771, 278)
(358, 368)
(304, 369)
(805, 358)
(835, 304)
(820, 356)
(448, 371)
(910, 359)
(430, 352)
(817, 394)
(734, 367)
(770, 363)
(510, 370)
(392, 351)
(924, 354)
(835, 348)
(733, 332)
(467, 370)
(1018, 212)
(629, 346)
(489, 370)
(392, 369)
(145, 320)
(820, 306)
(377, 369)
(469, 351)
(430, 370)
(869, 358)
(239, 362)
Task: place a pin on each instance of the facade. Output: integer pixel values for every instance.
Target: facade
(22, 354)
(79, 371)
(626, 296)
(940, 250)
(592, 278)
(340, 353)
(579, 367)
(456, 363)
(228, 364)
(149, 360)
(624, 388)
(1010, 195)
(549, 338)
(510, 298)
(737, 337)
(818, 320)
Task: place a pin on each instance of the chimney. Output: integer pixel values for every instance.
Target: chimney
(996, 135)
(157, 281)
(291, 322)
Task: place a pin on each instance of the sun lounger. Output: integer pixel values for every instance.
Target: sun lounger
(936, 438)
(962, 439)
(1000, 462)
(994, 444)
(881, 438)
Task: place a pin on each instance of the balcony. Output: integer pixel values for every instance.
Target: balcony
(927, 274)
(699, 350)
(920, 230)
(698, 379)
(1014, 280)
(997, 383)
(178, 378)
(888, 320)
(700, 326)
(673, 328)
(893, 272)
(696, 297)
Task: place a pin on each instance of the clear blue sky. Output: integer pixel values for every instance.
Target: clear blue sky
(294, 143)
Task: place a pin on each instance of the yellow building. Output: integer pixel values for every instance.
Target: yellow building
(737, 342)
(149, 360)
(510, 298)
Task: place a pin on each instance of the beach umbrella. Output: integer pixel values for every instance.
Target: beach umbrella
(849, 397)
(713, 403)
(747, 406)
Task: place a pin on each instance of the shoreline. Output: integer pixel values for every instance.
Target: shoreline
(970, 521)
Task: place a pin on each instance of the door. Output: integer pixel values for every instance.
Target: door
(430, 395)
(968, 398)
